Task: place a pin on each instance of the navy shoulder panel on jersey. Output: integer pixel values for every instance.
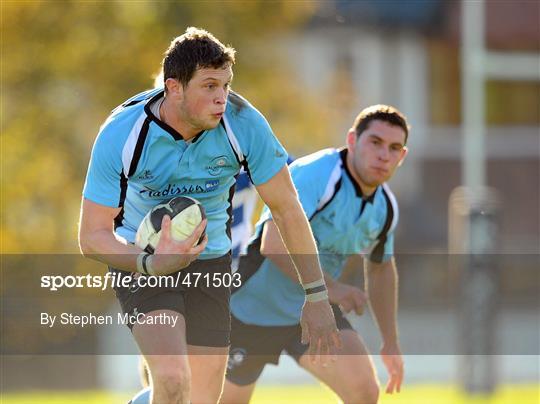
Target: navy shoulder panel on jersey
(392, 216)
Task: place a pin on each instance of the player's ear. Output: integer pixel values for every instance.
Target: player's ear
(351, 139)
(404, 153)
(174, 88)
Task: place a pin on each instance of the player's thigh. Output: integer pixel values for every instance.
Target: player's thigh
(161, 337)
(236, 394)
(164, 347)
(352, 370)
(207, 303)
(207, 368)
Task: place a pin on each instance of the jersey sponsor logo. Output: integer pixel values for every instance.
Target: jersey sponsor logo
(210, 185)
(173, 189)
(217, 165)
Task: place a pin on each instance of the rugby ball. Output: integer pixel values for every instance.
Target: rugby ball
(185, 213)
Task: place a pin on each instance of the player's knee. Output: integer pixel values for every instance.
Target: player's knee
(361, 392)
(213, 386)
(172, 381)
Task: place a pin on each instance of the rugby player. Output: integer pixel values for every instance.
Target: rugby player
(190, 138)
(351, 211)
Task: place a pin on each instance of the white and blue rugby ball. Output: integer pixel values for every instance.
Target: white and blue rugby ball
(185, 213)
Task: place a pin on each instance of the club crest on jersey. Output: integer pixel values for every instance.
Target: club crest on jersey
(217, 165)
(278, 153)
(236, 357)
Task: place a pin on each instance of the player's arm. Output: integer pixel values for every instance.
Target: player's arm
(281, 198)
(381, 285)
(346, 296)
(382, 288)
(97, 241)
(279, 194)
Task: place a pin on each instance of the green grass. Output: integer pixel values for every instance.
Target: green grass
(311, 394)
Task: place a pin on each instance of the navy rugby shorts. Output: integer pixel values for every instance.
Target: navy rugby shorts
(253, 346)
(204, 305)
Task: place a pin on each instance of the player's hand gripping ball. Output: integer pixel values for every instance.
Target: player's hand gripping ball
(185, 213)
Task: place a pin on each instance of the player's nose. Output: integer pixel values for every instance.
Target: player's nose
(221, 97)
(384, 154)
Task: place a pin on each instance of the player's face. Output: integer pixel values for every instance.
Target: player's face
(376, 153)
(204, 99)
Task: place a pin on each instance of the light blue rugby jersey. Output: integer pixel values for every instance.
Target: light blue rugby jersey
(343, 224)
(139, 161)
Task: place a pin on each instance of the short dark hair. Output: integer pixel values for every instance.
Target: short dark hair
(380, 112)
(194, 49)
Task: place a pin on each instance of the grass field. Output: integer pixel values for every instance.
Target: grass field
(310, 394)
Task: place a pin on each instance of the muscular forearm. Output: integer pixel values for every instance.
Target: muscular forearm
(285, 264)
(382, 288)
(103, 246)
(295, 231)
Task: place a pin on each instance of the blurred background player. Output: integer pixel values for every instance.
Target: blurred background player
(351, 211)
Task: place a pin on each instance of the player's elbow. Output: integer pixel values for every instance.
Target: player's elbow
(288, 209)
(268, 250)
(271, 242)
(87, 243)
(85, 246)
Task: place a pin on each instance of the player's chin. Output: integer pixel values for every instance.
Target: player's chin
(212, 122)
(378, 179)
(380, 176)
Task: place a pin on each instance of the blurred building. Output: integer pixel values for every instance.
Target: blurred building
(356, 53)
(352, 54)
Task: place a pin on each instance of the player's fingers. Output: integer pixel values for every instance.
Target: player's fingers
(305, 333)
(359, 309)
(346, 306)
(359, 302)
(400, 379)
(199, 248)
(391, 383)
(324, 351)
(334, 344)
(166, 228)
(337, 344)
(313, 348)
(196, 235)
(396, 374)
